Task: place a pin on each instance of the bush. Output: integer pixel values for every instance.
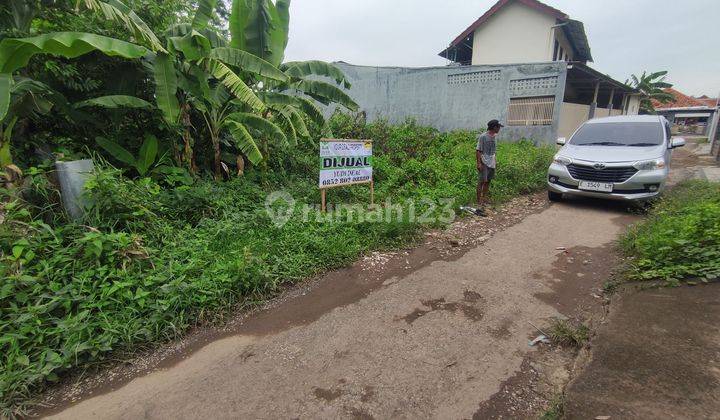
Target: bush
(681, 237)
(150, 260)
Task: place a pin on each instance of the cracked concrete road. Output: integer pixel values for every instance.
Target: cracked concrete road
(437, 342)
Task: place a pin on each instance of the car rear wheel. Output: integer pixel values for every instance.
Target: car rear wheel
(554, 196)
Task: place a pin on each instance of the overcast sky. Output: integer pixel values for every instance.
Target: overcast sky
(626, 36)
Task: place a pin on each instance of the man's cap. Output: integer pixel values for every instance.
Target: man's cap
(494, 124)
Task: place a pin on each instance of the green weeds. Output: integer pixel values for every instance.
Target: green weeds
(566, 334)
(150, 260)
(680, 239)
(556, 409)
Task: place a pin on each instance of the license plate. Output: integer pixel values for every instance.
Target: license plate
(596, 186)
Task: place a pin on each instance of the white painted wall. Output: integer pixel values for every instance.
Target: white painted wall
(515, 34)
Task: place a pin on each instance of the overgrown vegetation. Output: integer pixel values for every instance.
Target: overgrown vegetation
(566, 334)
(223, 100)
(680, 239)
(192, 119)
(153, 258)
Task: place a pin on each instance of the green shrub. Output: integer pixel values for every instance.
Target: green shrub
(681, 237)
(151, 260)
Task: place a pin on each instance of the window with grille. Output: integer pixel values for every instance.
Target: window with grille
(531, 111)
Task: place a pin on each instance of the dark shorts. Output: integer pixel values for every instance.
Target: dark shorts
(486, 174)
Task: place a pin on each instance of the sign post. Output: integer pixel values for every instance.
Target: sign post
(345, 162)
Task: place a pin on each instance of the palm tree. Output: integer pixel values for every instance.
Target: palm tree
(651, 86)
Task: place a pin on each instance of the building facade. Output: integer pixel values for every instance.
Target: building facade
(690, 116)
(522, 62)
(538, 101)
(520, 31)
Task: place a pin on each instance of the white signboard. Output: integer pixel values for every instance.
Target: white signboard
(345, 162)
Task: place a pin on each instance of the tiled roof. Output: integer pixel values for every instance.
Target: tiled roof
(681, 101)
(711, 102)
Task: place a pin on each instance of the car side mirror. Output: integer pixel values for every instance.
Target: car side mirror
(561, 141)
(677, 142)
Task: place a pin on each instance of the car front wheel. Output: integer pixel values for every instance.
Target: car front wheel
(554, 196)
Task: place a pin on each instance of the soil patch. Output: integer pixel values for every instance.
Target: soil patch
(528, 393)
(578, 277)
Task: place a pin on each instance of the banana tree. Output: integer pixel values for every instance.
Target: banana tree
(229, 121)
(31, 99)
(193, 58)
(246, 68)
(187, 48)
(15, 53)
(652, 87)
(261, 27)
(25, 99)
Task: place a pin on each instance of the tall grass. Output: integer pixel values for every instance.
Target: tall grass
(150, 261)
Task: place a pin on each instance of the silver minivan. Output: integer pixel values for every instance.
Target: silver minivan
(621, 158)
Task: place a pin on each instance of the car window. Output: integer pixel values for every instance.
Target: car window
(619, 134)
(668, 134)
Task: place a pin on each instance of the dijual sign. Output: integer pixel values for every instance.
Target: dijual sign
(345, 162)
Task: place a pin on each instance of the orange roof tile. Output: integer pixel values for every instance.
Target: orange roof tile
(711, 102)
(681, 101)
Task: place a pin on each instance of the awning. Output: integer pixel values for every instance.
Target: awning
(700, 115)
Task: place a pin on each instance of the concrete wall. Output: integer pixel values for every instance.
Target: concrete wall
(450, 98)
(714, 134)
(515, 34)
(715, 140)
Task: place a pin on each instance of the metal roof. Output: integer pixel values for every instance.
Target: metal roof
(575, 32)
(592, 75)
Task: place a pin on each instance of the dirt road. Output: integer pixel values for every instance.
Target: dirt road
(438, 341)
(439, 331)
(656, 355)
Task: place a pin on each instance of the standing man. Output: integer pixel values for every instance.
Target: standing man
(485, 154)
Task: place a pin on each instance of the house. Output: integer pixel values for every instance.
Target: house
(518, 31)
(711, 102)
(535, 80)
(690, 116)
